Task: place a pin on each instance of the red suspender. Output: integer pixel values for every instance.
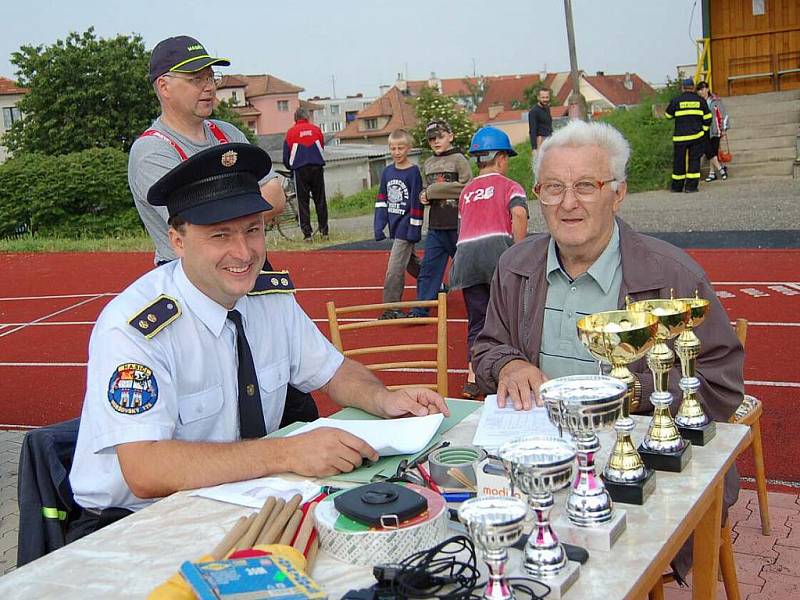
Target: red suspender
(166, 138)
(215, 131)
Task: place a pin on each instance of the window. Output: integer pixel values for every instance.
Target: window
(10, 116)
(371, 123)
(322, 127)
(334, 109)
(252, 126)
(283, 105)
(336, 126)
(350, 115)
(235, 99)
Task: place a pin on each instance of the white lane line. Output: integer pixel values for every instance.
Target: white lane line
(790, 384)
(53, 314)
(794, 484)
(11, 298)
(42, 364)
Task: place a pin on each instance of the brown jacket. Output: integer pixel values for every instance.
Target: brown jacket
(650, 268)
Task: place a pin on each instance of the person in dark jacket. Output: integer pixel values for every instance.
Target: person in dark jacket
(302, 154)
(540, 122)
(692, 121)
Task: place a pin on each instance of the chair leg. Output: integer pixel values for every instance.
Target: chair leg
(761, 477)
(657, 593)
(727, 564)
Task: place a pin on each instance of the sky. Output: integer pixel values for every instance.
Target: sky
(354, 46)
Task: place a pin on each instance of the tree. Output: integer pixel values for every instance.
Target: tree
(476, 92)
(224, 112)
(86, 92)
(430, 104)
(530, 94)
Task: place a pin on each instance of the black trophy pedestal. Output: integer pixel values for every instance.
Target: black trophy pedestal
(632, 493)
(666, 461)
(699, 436)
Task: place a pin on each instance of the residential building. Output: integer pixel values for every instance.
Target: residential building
(10, 94)
(335, 113)
(265, 103)
(499, 100)
(374, 124)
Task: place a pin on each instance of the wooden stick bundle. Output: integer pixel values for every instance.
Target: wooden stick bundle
(277, 522)
(462, 479)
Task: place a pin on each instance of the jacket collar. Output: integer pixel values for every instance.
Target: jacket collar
(640, 270)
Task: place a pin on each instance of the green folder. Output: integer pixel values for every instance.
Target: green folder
(386, 466)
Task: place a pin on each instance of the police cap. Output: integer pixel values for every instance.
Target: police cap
(215, 185)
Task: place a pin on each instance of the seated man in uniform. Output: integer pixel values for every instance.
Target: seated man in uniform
(590, 261)
(188, 366)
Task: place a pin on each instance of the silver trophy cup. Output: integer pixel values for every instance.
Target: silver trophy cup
(539, 466)
(583, 405)
(494, 523)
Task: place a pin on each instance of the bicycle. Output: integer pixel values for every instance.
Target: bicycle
(287, 224)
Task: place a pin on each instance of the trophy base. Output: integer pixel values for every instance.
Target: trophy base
(699, 436)
(561, 581)
(666, 461)
(632, 493)
(598, 537)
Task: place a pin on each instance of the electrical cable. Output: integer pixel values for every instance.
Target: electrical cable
(437, 573)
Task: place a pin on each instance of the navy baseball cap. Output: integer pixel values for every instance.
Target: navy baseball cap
(436, 127)
(181, 54)
(215, 185)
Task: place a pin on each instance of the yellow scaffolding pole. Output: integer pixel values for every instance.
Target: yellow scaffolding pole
(703, 71)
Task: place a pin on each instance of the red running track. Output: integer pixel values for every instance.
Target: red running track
(48, 304)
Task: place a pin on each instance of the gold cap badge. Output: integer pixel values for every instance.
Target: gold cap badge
(229, 158)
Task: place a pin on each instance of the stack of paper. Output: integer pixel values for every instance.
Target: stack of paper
(499, 425)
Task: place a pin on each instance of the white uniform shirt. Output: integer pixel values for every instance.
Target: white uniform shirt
(182, 382)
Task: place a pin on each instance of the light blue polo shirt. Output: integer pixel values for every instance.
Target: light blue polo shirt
(561, 352)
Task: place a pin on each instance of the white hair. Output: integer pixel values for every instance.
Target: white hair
(578, 133)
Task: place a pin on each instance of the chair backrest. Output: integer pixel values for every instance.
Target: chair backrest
(741, 331)
(437, 349)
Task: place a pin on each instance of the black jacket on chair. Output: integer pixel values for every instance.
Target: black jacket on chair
(46, 505)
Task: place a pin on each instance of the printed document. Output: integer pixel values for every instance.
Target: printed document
(500, 425)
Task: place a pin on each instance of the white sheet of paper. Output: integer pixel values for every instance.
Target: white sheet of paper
(387, 436)
(254, 492)
(499, 425)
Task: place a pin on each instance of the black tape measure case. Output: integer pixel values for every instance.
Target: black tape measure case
(383, 504)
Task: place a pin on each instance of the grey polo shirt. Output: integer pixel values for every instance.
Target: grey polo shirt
(568, 300)
(151, 158)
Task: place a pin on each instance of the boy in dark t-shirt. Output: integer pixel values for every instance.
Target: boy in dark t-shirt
(398, 206)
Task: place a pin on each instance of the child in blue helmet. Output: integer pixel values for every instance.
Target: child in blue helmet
(493, 214)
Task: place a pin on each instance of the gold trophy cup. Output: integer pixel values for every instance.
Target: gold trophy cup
(663, 447)
(618, 338)
(693, 424)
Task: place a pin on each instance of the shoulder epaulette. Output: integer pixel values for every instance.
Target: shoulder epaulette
(272, 282)
(155, 316)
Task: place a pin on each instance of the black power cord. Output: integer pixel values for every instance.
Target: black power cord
(438, 573)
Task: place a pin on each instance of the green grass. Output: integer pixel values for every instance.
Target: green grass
(40, 243)
(360, 203)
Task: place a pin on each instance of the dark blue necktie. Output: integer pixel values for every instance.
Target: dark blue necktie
(251, 416)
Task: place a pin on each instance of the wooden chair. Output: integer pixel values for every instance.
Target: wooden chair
(749, 413)
(439, 348)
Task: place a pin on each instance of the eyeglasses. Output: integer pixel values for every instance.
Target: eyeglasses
(554, 192)
(198, 81)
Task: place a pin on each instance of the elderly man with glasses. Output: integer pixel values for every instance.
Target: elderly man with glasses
(589, 262)
(181, 75)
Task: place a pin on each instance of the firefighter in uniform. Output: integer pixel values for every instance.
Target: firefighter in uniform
(692, 121)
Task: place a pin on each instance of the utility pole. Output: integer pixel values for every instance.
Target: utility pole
(576, 103)
(333, 85)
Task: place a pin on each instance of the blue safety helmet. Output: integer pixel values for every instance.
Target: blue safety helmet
(490, 139)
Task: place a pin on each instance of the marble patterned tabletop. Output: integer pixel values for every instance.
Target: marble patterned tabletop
(131, 557)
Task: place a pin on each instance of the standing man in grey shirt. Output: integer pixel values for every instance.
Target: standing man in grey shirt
(181, 75)
(183, 80)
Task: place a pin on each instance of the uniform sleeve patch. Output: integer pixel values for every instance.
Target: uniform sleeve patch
(132, 389)
(155, 316)
(272, 282)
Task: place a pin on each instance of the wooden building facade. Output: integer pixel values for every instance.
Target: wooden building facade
(755, 45)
